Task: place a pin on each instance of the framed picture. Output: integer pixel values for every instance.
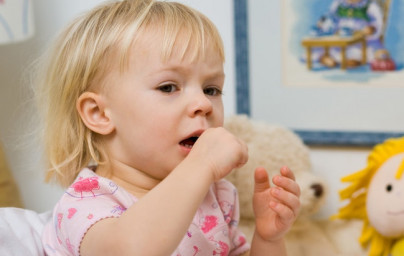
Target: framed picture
(308, 66)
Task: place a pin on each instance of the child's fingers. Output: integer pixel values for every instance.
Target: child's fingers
(261, 180)
(287, 192)
(287, 184)
(285, 171)
(288, 200)
(286, 214)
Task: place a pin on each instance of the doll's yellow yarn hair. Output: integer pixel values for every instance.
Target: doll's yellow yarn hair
(356, 194)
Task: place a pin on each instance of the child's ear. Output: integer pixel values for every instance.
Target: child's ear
(92, 111)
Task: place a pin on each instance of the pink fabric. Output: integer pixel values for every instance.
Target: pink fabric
(92, 198)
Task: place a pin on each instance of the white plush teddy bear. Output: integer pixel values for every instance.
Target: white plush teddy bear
(272, 147)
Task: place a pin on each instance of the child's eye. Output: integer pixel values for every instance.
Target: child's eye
(212, 91)
(168, 88)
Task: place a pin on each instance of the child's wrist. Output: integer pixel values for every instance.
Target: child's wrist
(198, 169)
(261, 246)
(272, 240)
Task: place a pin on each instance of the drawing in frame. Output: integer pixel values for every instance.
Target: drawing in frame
(327, 105)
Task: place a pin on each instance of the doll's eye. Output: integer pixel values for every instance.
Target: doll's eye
(389, 187)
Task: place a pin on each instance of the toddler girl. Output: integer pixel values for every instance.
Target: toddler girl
(135, 87)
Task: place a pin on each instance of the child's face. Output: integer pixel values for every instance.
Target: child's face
(156, 106)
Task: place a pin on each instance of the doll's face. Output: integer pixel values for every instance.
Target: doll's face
(385, 199)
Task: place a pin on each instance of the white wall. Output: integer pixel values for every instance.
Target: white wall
(24, 155)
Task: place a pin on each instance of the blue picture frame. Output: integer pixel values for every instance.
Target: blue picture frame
(243, 104)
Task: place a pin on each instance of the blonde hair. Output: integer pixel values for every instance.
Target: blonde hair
(356, 193)
(80, 57)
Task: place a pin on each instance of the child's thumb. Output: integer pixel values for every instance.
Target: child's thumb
(261, 180)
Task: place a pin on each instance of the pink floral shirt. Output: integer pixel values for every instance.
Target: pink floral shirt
(92, 198)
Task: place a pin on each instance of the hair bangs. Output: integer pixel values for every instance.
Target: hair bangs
(183, 30)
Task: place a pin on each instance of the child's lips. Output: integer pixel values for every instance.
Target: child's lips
(190, 140)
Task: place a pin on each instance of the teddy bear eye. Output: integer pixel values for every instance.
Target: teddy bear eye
(389, 188)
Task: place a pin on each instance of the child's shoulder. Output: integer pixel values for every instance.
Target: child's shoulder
(91, 189)
(88, 185)
(89, 199)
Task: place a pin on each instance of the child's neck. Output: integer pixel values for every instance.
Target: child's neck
(132, 180)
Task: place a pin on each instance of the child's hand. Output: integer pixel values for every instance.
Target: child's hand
(221, 151)
(275, 208)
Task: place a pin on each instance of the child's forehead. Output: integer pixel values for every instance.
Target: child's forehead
(183, 44)
(179, 43)
(178, 32)
(153, 48)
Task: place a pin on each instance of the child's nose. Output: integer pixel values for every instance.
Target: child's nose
(200, 104)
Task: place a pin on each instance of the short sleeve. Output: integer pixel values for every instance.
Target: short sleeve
(88, 200)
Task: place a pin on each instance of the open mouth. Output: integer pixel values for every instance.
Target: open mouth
(189, 142)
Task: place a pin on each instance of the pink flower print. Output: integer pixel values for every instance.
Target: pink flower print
(196, 250)
(223, 249)
(71, 211)
(60, 217)
(86, 185)
(90, 216)
(241, 240)
(210, 222)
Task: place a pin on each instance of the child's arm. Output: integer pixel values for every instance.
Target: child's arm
(156, 224)
(275, 209)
